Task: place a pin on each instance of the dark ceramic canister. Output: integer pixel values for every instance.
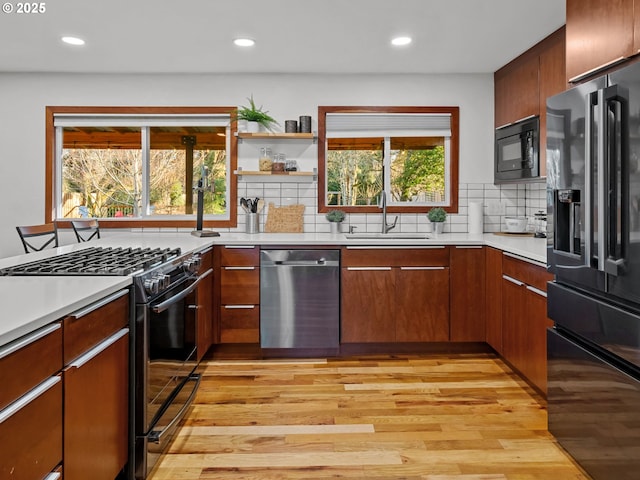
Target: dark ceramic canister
(305, 124)
(290, 126)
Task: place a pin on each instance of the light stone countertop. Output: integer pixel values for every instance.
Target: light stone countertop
(29, 303)
(32, 302)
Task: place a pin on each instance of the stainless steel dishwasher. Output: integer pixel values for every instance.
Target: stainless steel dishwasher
(300, 299)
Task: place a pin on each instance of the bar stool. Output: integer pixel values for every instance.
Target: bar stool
(85, 230)
(46, 236)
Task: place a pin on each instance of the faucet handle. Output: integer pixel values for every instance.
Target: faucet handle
(352, 228)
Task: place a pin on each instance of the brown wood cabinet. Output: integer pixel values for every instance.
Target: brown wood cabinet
(600, 34)
(204, 302)
(96, 389)
(239, 293)
(493, 280)
(524, 318)
(31, 404)
(467, 301)
(394, 294)
(516, 90)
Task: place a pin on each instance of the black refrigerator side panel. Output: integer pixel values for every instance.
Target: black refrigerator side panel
(572, 125)
(594, 410)
(624, 235)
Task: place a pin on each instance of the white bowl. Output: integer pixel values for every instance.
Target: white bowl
(516, 224)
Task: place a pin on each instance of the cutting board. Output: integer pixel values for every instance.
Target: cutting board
(287, 219)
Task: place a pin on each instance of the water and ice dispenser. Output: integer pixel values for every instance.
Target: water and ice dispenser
(567, 221)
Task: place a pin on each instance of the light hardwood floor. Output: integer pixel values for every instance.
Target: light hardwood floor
(462, 417)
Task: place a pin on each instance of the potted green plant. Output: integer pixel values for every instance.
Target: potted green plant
(255, 117)
(437, 216)
(335, 218)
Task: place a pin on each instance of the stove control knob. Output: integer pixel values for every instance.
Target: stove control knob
(165, 281)
(197, 262)
(152, 286)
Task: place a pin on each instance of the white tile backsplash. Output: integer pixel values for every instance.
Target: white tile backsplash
(518, 199)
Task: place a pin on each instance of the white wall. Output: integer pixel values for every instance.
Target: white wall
(23, 98)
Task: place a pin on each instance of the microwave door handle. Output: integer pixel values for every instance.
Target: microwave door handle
(617, 173)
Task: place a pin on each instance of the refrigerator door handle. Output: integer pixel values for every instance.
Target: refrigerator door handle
(616, 107)
(590, 115)
(600, 205)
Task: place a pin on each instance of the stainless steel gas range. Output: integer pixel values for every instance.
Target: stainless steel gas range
(163, 335)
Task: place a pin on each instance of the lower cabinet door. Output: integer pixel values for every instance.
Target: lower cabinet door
(422, 306)
(96, 411)
(368, 298)
(31, 433)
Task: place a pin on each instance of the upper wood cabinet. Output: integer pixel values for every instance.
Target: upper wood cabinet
(600, 34)
(516, 90)
(522, 86)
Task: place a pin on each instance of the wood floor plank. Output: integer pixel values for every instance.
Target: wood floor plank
(432, 417)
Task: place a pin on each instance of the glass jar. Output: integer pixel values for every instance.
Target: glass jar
(265, 161)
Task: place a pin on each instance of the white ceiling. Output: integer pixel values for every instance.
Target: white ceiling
(293, 36)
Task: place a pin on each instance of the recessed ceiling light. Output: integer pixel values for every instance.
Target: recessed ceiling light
(73, 40)
(244, 42)
(399, 41)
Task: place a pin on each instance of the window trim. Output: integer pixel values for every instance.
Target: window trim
(50, 167)
(452, 207)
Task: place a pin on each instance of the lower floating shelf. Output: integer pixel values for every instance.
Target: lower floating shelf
(279, 176)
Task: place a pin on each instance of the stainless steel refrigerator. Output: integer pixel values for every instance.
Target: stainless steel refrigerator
(593, 196)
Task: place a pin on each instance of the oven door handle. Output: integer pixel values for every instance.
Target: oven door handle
(162, 306)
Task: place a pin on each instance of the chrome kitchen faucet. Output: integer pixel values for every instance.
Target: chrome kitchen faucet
(386, 227)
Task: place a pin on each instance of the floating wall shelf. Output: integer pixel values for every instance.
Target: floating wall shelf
(279, 177)
(276, 136)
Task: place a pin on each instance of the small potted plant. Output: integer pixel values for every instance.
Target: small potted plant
(437, 216)
(255, 117)
(335, 218)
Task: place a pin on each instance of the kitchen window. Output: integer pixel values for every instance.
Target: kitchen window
(136, 167)
(409, 152)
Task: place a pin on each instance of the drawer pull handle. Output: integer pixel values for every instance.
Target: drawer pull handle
(95, 306)
(230, 247)
(462, 247)
(27, 340)
(368, 269)
(26, 399)
(239, 307)
(537, 291)
(239, 268)
(513, 280)
(422, 268)
(98, 349)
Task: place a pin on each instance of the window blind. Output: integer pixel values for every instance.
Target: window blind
(345, 125)
(116, 120)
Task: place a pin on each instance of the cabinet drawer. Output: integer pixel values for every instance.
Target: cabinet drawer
(437, 256)
(239, 256)
(239, 286)
(88, 327)
(31, 436)
(526, 272)
(28, 361)
(240, 324)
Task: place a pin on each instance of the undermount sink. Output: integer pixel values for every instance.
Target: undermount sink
(386, 236)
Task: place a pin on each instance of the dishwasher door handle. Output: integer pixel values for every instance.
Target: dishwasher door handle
(302, 263)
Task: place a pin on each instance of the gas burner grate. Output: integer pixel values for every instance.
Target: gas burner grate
(96, 261)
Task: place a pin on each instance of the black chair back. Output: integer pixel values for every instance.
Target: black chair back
(85, 230)
(38, 237)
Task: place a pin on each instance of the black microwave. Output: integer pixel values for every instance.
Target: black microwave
(517, 151)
